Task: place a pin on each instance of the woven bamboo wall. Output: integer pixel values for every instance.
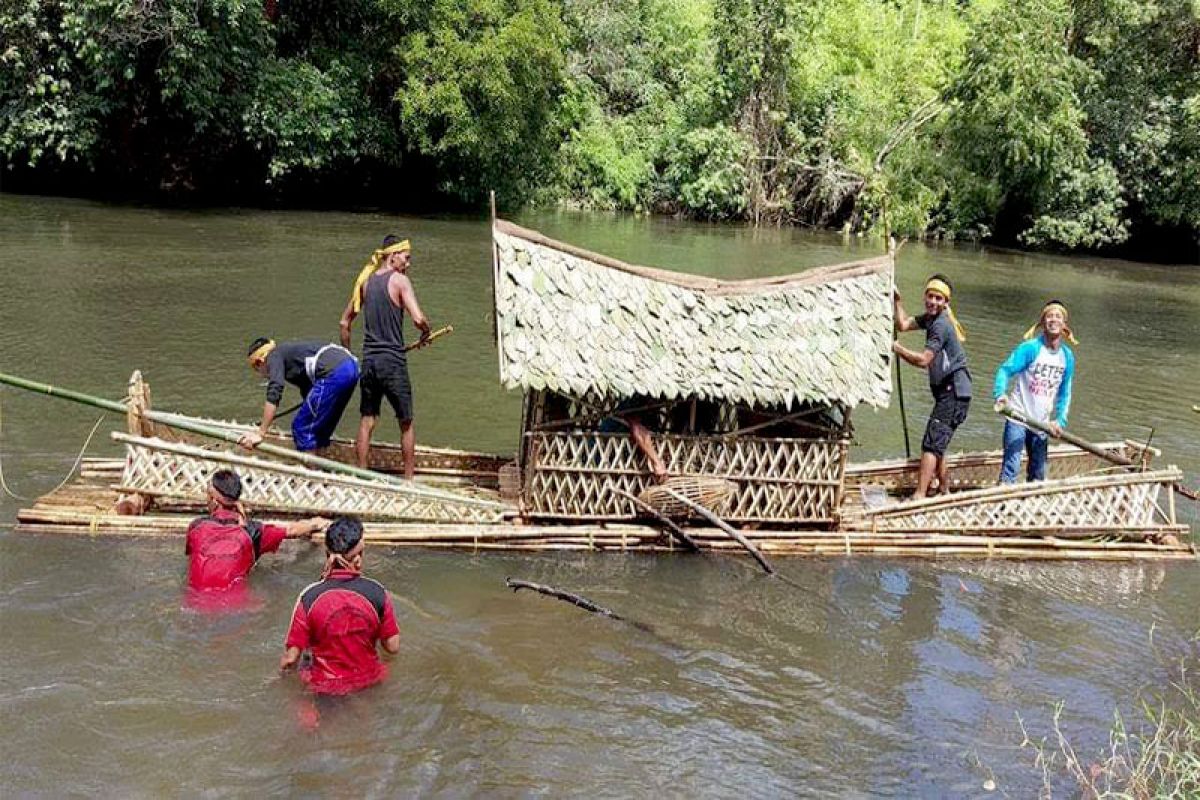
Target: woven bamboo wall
(1094, 505)
(571, 475)
(181, 471)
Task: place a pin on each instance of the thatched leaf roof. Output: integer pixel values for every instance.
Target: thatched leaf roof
(578, 322)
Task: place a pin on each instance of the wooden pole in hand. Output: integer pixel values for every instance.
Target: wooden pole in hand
(1083, 444)
(892, 250)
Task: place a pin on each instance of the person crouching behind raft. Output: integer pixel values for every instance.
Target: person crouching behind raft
(324, 373)
(1041, 369)
(949, 378)
(340, 618)
(382, 293)
(224, 546)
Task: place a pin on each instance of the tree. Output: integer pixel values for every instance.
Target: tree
(481, 90)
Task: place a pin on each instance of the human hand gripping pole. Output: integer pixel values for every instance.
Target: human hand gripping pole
(1002, 408)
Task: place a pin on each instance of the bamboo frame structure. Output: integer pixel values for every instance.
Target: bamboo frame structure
(84, 507)
(178, 470)
(1125, 504)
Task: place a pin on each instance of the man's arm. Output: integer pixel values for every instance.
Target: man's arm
(389, 629)
(1017, 362)
(346, 322)
(253, 439)
(921, 360)
(903, 321)
(1062, 405)
(289, 659)
(401, 290)
(305, 528)
(297, 637)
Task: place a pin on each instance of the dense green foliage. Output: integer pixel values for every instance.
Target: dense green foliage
(1060, 123)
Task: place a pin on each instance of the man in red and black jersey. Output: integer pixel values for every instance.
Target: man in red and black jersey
(340, 618)
(223, 547)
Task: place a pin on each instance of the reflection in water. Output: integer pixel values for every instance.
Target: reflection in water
(889, 677)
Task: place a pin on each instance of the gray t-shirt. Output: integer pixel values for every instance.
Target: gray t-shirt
(949, 359)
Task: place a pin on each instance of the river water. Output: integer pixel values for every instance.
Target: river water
(877, 677)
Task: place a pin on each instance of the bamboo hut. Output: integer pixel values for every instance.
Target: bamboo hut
(752, 382)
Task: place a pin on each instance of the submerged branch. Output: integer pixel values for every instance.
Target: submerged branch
(574, 599)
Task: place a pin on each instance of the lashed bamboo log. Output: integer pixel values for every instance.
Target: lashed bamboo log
(723, 525)
(667, 523)
(190, 425)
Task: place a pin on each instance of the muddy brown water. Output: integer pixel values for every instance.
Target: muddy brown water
(872, 677)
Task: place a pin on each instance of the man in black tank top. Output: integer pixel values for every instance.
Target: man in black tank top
(382, 295)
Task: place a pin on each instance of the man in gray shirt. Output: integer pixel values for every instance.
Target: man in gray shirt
(949, 378)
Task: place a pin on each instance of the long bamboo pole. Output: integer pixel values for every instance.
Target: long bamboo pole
(1083, 444)
(232, 437)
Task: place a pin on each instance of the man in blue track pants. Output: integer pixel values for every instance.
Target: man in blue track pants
(1041, 370)
(325, 374)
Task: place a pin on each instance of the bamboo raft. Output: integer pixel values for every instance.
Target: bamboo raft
(745, 389)
(85, 507)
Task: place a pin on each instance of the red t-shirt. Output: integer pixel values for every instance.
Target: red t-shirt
(222, 551)
(340, 619)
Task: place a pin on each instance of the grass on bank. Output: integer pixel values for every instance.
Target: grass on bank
(1160, 759)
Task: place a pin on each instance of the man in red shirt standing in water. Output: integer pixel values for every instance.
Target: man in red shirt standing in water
(340, 618)
(224, 546)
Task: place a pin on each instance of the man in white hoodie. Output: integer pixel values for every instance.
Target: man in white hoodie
(1041, 370)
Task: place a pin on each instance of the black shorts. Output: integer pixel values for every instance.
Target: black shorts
(385, 378)
(949, 411)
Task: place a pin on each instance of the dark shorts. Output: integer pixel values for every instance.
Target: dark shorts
(949, 411)
(385, 378)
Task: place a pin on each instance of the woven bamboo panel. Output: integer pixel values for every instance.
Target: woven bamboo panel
(572, 475)
(1104, 504)
(181, 471)
(383, 457)
(977, 470)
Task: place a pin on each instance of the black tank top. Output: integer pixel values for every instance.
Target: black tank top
(383, 320)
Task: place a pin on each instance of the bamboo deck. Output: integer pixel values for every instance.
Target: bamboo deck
(84, 507)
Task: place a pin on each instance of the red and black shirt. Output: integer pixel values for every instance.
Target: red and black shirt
(340, 619)
(221, 550)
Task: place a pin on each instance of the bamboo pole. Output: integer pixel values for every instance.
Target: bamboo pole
(666, 522)
(720, 523)
(213, 432)
(1070, 438)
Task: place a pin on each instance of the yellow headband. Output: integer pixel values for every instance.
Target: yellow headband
(1068, 334)
(260, 355)
(941, 287)
(373, 263)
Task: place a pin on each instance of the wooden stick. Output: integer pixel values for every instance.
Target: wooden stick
(1070, 438)
(723, 525)
(1083, 444)
(573, 599)
(430, 339)
(667, 523)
